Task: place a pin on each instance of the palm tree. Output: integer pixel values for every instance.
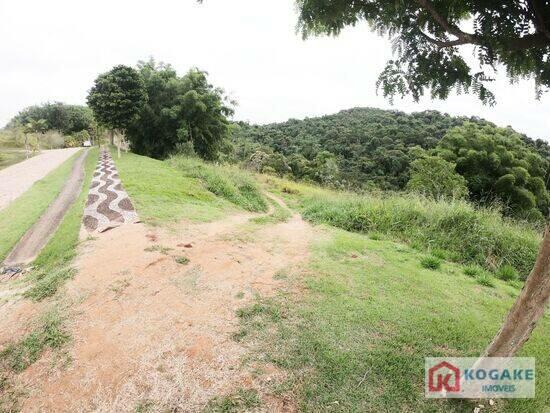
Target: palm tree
(39, 126)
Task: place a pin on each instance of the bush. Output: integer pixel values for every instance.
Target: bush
(507, 273)
(470, 235)
(430, 262)
(449, 184)
(53, 140)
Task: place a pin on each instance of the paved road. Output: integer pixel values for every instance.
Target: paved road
(18, 178)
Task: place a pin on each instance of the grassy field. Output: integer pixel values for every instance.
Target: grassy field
(183, 188)
(19, 216)
(453, 230)
(355, 338)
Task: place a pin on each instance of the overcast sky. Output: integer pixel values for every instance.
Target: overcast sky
(53, 51)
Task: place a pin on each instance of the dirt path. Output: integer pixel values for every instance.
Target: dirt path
(148, 329)
(30, 245)
(18, 178)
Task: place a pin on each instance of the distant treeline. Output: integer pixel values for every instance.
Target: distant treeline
(367, 148)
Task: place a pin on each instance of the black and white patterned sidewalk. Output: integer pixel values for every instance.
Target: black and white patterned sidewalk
(108, 203)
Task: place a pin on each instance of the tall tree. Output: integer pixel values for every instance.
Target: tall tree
(181, 111)
(428, 38)
(117, 97)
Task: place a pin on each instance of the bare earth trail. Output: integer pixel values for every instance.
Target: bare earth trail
(18, 178)
(30, 245)
(146, 328)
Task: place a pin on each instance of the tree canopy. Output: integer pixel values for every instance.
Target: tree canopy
(497, 164)
(428, 36)
(117, 96)
(64, 118)
(435, 177)
(180, 111)
(371, 147)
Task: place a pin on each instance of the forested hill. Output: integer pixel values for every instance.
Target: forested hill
(360, 147)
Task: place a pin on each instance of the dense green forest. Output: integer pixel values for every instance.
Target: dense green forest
(368, 148)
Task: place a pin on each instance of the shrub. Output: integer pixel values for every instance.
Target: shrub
(430, 262)
(449, 184)
(507, 273)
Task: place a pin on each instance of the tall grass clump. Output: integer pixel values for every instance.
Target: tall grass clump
(472, 235)
(231, 183)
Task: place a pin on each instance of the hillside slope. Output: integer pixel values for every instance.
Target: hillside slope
(372, 147)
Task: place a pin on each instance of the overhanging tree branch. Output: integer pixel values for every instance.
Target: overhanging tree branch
(539, 39)
(445, 24)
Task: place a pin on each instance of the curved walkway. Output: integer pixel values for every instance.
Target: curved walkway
(18, 178)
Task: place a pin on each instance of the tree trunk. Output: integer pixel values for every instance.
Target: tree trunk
(527, 309)
(118, 145)
(112, 136)
(27, 146)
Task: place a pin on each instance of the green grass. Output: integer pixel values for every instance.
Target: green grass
(279, 214)
(457, 229)
(430, 262)
(24, 211)
(163, 194)
(48, 334)
(53, 265)
(485, 279)
(230, 183)
(507, 273)
(473, 270)
(354, 339)
(240, 401)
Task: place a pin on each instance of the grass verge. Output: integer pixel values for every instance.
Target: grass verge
(356, 338)
(52, 266)
(24, 211)
(162, 194)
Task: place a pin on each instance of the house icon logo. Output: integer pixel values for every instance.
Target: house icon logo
(444, 377)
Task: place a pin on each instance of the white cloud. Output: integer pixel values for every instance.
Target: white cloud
(52, 51)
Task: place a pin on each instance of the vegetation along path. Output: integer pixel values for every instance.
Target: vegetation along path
(18, 178)
(38, 235)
